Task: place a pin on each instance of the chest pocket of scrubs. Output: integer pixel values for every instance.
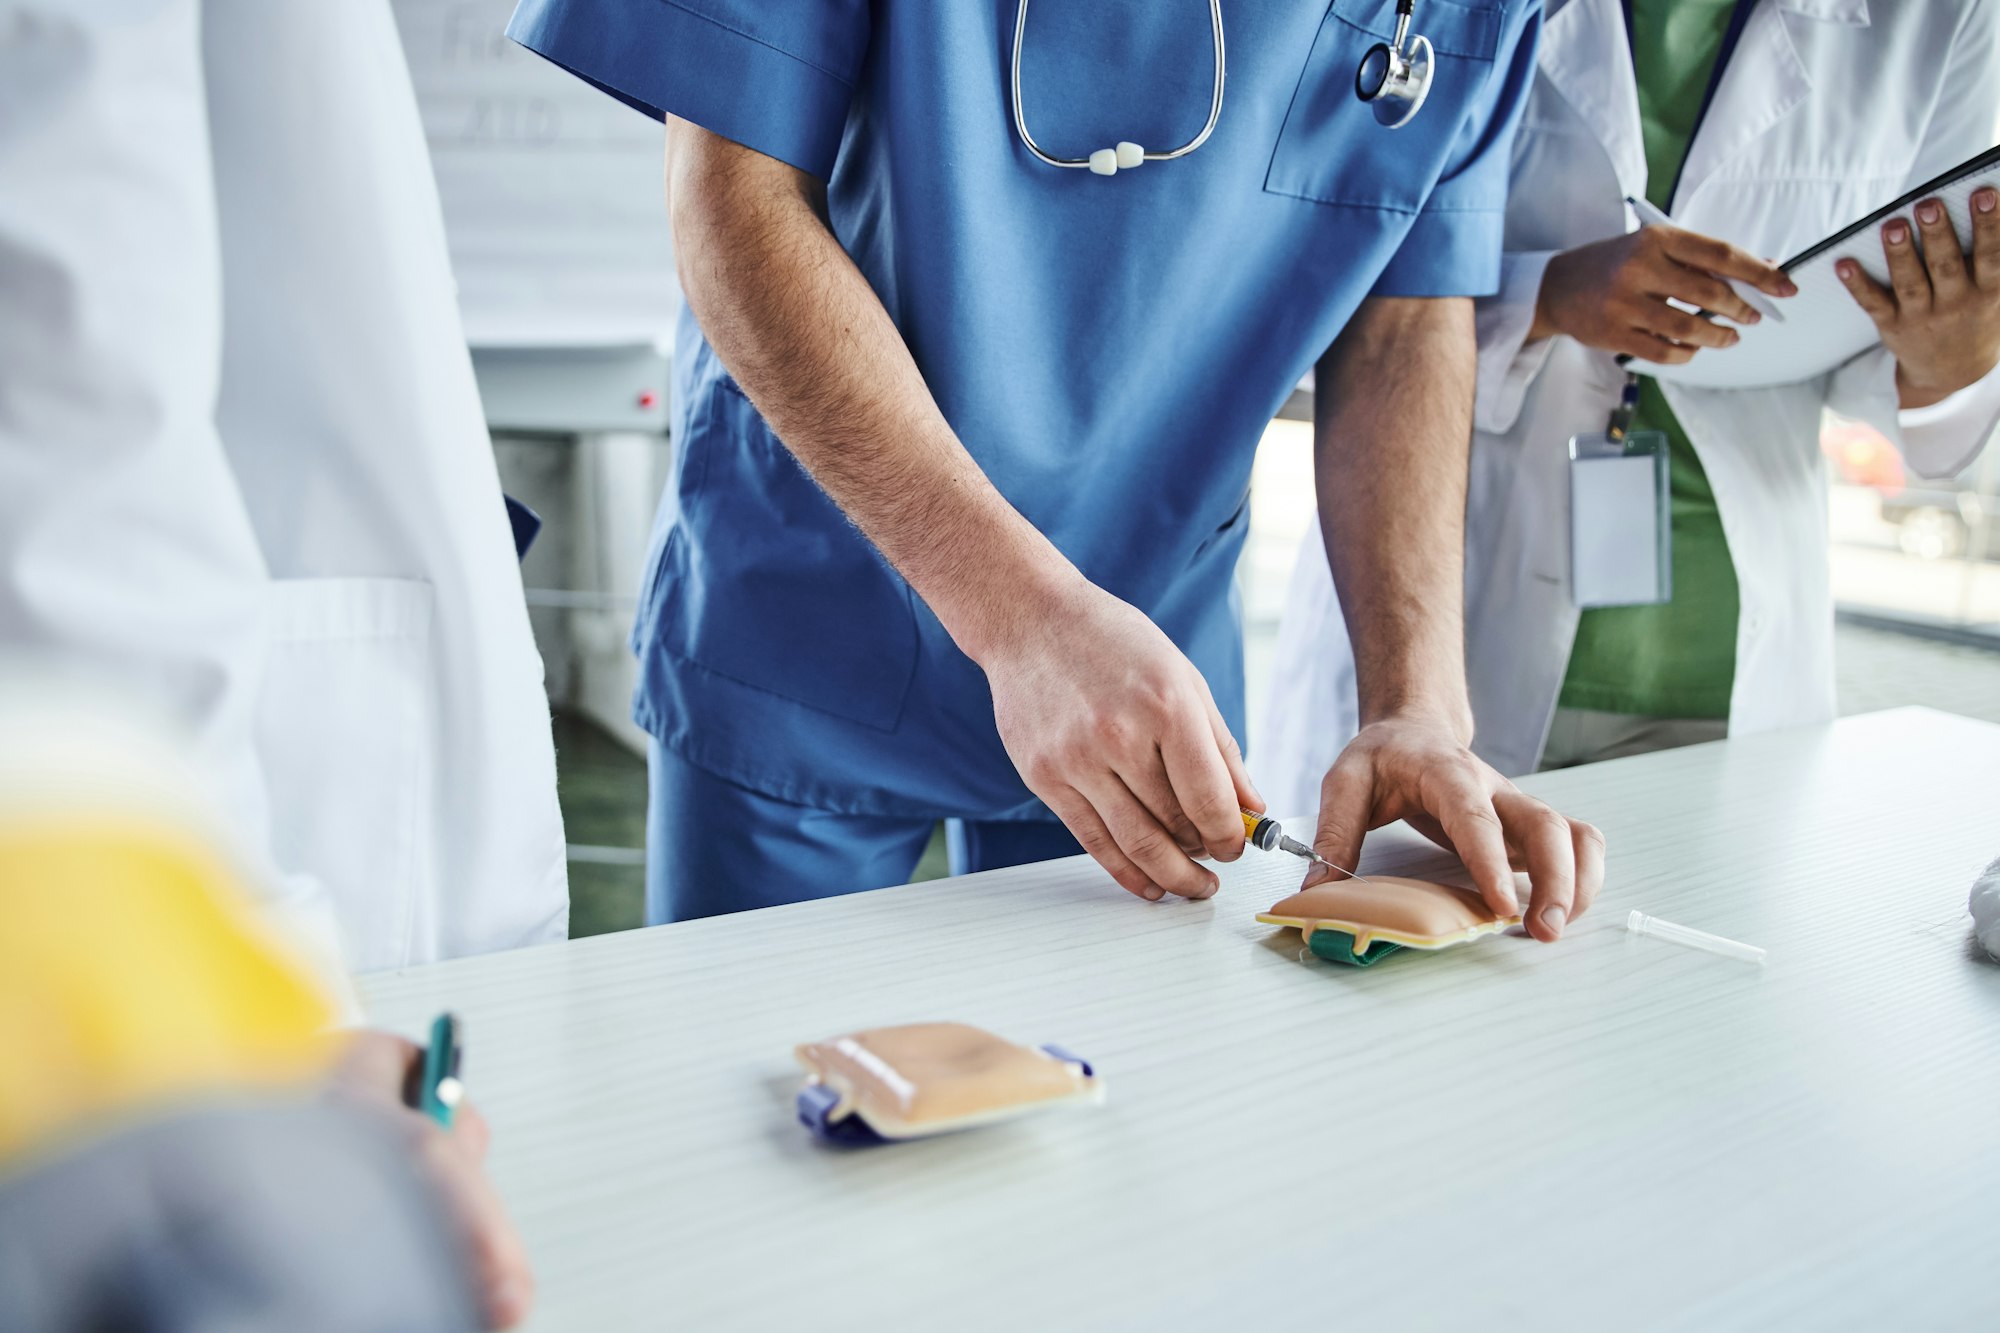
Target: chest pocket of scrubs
(1332, 151)
(763, 580)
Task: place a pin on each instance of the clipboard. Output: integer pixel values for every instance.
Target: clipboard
(1823, 327)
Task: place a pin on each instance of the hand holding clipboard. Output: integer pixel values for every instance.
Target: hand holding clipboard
(1826, 324)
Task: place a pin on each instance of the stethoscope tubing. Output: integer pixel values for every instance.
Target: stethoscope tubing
(1214, 104)
(1396, 54)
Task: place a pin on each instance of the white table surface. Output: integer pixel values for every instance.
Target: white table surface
(1610, 1133)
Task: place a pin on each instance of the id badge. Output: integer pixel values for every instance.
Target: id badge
(1620, 540)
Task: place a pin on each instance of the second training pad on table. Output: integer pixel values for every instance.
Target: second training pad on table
(929, 1078)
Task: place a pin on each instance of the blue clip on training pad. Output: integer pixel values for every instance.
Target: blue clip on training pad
(816, 1103)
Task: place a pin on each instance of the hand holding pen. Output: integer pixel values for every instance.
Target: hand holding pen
(449, 1144)
(1612, 295)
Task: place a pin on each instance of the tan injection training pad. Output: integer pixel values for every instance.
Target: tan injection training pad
(1388, 909)
(926, 1078)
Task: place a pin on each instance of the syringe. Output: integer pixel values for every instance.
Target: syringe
(1267, 835)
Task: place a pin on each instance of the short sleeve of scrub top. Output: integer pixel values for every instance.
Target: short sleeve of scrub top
(1453, 248)
(777, 75)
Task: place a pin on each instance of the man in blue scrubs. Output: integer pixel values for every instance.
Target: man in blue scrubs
(964, 439)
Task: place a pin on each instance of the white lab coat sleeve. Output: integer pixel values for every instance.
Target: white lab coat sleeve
(1508, 362)
(1939, 440)
(1936, 441)
(126, 553)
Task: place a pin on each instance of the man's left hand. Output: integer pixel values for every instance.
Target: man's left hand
(1940, 314)
(1416, 769)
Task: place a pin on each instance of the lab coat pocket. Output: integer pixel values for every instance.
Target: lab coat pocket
(346, 734)
(1332, 151)
(764, 581)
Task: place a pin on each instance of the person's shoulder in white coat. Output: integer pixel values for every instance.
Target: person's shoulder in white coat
(242, 462)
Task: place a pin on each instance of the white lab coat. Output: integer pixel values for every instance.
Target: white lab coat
(1828, 109)
(242, 460)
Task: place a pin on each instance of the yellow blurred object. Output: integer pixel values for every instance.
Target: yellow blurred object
(134, 973)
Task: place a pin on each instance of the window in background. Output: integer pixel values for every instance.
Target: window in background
(1910, 549)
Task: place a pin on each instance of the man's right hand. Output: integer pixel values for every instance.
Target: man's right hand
(1612, 294)
(1112, 726)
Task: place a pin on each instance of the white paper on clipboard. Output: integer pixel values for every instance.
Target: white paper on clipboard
(1823, 327)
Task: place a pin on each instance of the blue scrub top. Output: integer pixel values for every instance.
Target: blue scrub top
(1108, 349)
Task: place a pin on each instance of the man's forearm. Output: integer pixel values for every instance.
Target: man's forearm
(808, 340)
(1392, 431)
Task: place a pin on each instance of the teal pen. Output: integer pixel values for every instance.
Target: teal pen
(438, 1090)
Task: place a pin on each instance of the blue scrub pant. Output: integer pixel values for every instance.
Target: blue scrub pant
(714, 847)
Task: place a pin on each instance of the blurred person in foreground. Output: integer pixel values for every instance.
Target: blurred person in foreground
(185, 1140)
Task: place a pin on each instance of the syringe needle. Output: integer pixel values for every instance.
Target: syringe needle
(1297, 848)
(1265, 834)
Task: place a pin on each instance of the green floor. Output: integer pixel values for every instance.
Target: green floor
(603, 790)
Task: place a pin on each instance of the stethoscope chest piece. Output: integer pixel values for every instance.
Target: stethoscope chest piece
(1394, 80)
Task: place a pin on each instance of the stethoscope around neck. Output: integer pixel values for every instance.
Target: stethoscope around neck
(1393, 79)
